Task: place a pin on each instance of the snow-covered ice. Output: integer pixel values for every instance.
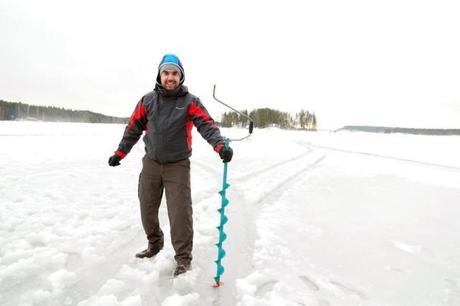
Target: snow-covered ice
(314, 219)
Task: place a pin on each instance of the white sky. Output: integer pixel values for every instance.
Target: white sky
(351, 62)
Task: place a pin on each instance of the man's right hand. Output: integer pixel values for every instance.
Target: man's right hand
(114, 160)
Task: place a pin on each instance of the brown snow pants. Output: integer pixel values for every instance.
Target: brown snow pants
(174, 179)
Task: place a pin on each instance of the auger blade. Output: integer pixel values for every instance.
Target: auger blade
(222, 237)
(221, 253)
(223, 219)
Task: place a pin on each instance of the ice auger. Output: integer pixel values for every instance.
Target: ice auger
(225, 201)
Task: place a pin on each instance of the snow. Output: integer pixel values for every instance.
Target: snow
(314, 219)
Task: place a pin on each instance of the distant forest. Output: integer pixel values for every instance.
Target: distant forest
(266, 117)
(263, 117)
(21, 111)
(388, 130)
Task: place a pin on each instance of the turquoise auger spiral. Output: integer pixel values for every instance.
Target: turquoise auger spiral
(223, 220)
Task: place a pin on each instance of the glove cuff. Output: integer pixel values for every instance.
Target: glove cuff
(218, 147)
(120, 154)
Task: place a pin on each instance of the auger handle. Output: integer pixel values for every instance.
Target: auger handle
(251, 122)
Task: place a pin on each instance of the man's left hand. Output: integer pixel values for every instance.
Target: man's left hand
(226, 154)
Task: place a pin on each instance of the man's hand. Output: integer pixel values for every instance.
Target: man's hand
(114, 160)
(226, 154)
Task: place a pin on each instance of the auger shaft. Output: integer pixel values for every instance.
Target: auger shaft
(225, 201)
(223, 220)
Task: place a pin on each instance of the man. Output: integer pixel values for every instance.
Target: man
(167, 115)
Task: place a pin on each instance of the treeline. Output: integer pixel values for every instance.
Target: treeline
(21, 111)
(266, 117)
(389, 130)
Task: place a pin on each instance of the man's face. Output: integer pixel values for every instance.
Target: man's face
(170, 79)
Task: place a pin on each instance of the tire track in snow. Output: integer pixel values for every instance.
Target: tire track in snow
(273, 166)
(448, 167)
(283, 185)
(256, 173)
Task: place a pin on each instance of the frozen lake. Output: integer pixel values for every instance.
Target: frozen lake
(314, 219)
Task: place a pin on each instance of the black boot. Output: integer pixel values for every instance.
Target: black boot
(181, 268)
(149, 252)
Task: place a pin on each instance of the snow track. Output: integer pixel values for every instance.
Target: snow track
(284, 184)
(411, 161)
(272, 167)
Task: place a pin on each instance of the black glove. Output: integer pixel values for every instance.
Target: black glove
(114, 160)
(226, 154)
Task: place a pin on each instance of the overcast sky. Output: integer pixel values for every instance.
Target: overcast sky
(393, 63)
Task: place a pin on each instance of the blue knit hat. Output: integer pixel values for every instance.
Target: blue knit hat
(171, 61)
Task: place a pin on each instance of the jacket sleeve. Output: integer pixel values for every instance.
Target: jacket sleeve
(204, 123)
(133, 131)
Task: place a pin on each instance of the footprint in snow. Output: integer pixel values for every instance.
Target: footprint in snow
(265, 287)
(309, 283)
(347, 289)
(396, 269)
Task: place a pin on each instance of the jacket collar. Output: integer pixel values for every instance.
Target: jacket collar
(180, 91)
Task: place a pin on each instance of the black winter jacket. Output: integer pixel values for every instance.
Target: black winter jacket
(167, 120)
